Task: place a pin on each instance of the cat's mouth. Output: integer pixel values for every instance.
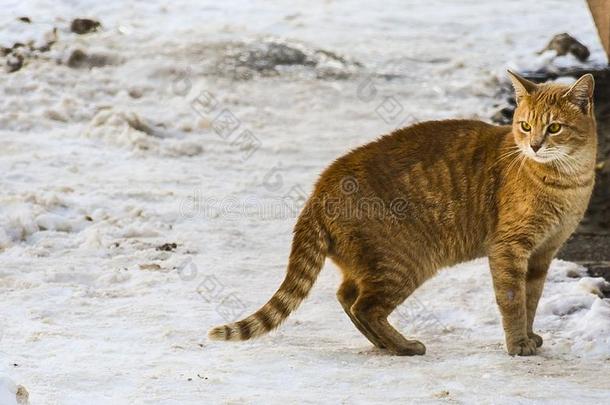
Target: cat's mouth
(548, 154)
(541, 158)
(543, 155)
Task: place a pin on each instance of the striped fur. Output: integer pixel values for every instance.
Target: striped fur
(309, 249)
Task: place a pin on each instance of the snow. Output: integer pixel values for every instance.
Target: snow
(8, 390)
(100, 167)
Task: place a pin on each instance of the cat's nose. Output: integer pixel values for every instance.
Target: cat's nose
(535, 147)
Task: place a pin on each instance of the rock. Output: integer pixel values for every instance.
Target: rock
(19, 53)
(76, 58)
(26, 20)
(14, 62)
(564, 44)
(272, 57)
(265, 58)
(599, 269)
(50, 39)
(84, 25)
(586, 248)
(140, 124)
(504, 116)
(135, 92)
(167, 247)
(80, 59)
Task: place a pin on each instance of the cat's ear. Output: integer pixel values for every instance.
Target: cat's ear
(581, 93)
(523, 87)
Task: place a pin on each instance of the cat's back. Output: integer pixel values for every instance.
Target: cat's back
(431, 147)
(433, 140)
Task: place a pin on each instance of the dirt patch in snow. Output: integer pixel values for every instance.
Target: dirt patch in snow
(273, 57)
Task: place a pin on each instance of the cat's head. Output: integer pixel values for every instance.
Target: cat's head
(554, 122)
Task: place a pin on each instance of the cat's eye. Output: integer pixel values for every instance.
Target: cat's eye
(525, 126)
(554, 128)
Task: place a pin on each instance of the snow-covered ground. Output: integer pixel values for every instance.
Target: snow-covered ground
(102, 167)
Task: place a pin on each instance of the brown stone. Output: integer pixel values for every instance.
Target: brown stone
(84, 25)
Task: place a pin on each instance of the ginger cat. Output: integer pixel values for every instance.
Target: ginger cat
(393, 212)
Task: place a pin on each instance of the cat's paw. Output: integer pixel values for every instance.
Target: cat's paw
(522, 347)
(413, 348)
(536, 338)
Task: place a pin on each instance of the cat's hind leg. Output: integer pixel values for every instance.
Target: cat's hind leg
(347, 295)
(374, 304)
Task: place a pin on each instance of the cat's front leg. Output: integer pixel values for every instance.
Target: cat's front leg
(538, 266)
(509, 265)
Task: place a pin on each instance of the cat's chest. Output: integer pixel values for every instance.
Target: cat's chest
(551, 203)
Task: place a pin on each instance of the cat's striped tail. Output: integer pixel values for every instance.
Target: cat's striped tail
(309, 249)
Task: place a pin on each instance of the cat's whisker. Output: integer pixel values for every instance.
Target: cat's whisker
(558, 164)
(521, 165)
(513, 155)
(560, 161)
(569, 163)
(572, 168)
(574, 163)
(511, 152)
(514, 163)
(565, 169)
